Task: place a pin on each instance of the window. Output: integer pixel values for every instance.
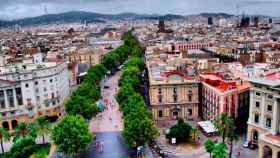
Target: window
(159, 91)
(37, 90)
(45, 89)
(160, 99)
(36, 82)
(175, 98)
(269, 96)
(38, 98)
(269, 108)
(175, 90)
(10, 97)
(258, 93)
(19, 96)
(26, 85)
(160, 114)
(190, 112)
(257, 104)
(190, 98)
(51, 80)
(256, 118)
(2, 100)
(268, 122)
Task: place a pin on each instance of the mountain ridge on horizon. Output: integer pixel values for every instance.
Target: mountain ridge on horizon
(79, 16)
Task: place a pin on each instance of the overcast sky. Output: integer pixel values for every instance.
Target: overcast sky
(14, 9)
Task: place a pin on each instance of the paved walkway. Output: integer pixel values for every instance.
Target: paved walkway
(110, 120)
(108, 124)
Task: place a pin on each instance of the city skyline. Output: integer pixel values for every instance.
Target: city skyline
(16, 9)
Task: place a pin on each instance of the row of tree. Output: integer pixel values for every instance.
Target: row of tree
(71, 134)
(139, 127)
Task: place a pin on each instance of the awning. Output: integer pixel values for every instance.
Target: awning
(207, 126)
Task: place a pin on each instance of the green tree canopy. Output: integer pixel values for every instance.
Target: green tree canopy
(43, 126)
(24, 130)
(22, 147)
(222, 124)
(135, 62)
(71, 134)
(124, 92)
(130, 76)
(110, 60)
(89, 91)
(220, 150)
(79, 105)
(180, 131)
(209, 146)
(139, 129)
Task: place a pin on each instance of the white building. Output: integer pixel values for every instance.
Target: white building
(28, 90)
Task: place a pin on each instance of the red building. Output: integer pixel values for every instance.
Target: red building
(220, 96)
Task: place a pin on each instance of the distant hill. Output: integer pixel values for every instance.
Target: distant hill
(224, 15)
(80, 16)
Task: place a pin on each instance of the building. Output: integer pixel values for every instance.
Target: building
(222, 95)
(173, 87)
(86, 56)
(264, 117)
(31, 89)
(185, 46)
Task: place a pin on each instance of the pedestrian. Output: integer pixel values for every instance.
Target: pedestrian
(101, 146)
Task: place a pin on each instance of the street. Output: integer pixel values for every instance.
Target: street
(108, 125)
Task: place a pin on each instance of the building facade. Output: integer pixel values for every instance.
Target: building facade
(172, 97)
(28, 90)
(264, 116)
(223, 96)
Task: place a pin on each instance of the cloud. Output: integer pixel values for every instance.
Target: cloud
(13, 9)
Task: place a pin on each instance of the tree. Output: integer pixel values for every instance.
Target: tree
(222, 125)
(110, 60)
(180, 131)
(24, 130)
(139, 129)
(220, 150)
(79, 105)
(123, 94)
(130, 76)
(209, 146)
(135, 104)
(88, 90)
(71, 134)
(43, 126)
(135, 62)
(22, 147)
(194, 133)
(231, 135)
(4, 136)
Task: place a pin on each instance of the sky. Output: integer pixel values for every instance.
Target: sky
(15, 9)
